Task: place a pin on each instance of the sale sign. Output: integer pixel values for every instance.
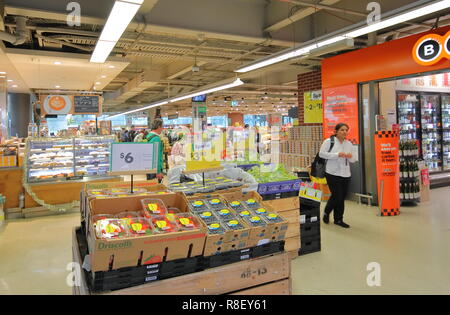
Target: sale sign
(341, 106)
(388, 172)
(313, 107)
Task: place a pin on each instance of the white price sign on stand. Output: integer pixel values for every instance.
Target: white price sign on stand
(134, 158)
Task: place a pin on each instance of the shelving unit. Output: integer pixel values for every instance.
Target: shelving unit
(54, 159)
(409, 176)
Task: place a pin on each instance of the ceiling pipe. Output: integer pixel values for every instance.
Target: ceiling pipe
(21, 32)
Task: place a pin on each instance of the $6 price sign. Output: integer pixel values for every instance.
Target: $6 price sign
(128, 158)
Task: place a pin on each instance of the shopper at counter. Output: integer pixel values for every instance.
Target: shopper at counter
(154, 137)
(337, 172)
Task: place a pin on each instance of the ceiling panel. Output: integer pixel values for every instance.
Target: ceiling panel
(47, 70)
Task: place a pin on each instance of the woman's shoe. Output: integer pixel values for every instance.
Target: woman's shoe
(343, 224)
(326, 218)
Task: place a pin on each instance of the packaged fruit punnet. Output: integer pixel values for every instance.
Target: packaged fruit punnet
(154, 206)
(216, 227)
(198, 205)
(233, 224)
(252, 204)
(116, 191)
(260, 211)
(136, 223)
(255, 220)
(216, 203)
(237, 205)
(187, 221)
(109, 228)
(225, 213)
(97, 193)
(164, 224)
(207, 216)
(272, 217)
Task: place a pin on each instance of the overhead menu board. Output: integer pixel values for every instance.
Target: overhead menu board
(86, 104)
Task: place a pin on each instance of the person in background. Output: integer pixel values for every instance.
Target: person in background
(131, 134)
(154, 137)
(140, 136)
(167, 149)
(337, 172)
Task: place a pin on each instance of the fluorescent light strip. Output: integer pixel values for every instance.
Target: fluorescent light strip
(225, 86)
(352, 34)
(407, 16)
(237, 82)
(120, 17)
(139, 110)
(102, 51)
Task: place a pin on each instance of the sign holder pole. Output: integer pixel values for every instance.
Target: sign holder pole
(132, 183)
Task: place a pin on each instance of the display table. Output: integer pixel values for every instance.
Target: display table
(55, 193)
(11, 185)
(268, 275)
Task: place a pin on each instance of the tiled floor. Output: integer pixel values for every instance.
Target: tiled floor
(413, 251)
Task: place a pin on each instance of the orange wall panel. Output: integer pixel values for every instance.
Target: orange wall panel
(388, 60)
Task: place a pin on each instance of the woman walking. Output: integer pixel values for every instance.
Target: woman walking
(337, 150)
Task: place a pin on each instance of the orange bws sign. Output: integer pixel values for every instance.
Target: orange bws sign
(431, 48)
(388, 172)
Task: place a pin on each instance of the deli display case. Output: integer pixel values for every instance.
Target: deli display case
(58, 159)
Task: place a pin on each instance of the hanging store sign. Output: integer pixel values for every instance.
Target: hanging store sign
(57, 105)
(388, 174)
(431, 48)
(313, 107)
(341, 106)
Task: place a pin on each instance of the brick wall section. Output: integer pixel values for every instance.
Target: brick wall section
(310, 81)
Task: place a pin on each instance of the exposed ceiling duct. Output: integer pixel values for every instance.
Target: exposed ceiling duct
(21, 34)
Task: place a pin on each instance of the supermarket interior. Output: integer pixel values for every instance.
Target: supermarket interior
(152, 147)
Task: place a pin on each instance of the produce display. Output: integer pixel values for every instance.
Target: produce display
(186, 221)
(254, 221)
(225, 213)
(154, 206)
(272, 217)
(211, 185)
(207, 216)
(234, 224)
(216, 228)
(110, 228)
(163, 224)
(252, 204)
(278, 174)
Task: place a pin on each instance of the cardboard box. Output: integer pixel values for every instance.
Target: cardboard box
(284, 204)
(85, 199)
(126, 252)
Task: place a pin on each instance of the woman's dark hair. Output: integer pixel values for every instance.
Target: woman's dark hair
(157, 123)
(340, 125)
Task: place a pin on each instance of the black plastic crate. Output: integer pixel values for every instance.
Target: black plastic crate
(309, 245)
(227, 258)
(308, 204)
(268, 249)
(310, 229)
(179, 267)
(280, 195)
(111, 284)
(127, 273)
(309, 216)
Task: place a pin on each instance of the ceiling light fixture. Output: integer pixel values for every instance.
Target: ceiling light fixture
(222, 85)
(388, 19)
(3, 73)
(57, 63)
(15, 86)
(57, 86)
(120, 17)
(9, 80)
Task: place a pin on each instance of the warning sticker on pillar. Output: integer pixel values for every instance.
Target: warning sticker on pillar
(388, 174)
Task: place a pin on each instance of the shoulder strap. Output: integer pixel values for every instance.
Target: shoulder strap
(151, 137)
(332, 143)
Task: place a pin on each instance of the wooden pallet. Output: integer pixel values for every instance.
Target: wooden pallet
(265, 275)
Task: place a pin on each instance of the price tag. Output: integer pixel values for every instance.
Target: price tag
(129, 157)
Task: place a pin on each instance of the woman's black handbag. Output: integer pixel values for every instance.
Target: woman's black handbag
(319, 165)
